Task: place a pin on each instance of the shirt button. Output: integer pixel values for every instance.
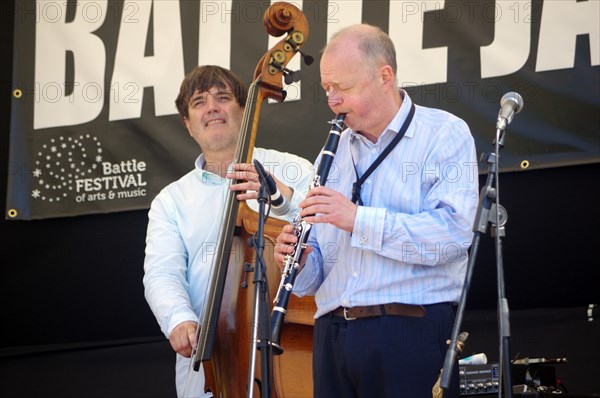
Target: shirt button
(373, 150)
(368, 181)
(355, 274)
(345, 302)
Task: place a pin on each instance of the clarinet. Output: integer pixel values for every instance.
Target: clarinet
(301, 230)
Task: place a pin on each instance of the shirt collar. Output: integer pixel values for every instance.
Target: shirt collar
(207, 176)
(396, 122)
(401, 115)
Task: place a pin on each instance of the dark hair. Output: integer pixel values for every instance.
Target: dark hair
(203, 78)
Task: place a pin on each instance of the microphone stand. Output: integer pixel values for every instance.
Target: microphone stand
(261, 318)
(489, 211)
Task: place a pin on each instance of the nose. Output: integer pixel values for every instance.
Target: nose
(334, 98)
(212, 105)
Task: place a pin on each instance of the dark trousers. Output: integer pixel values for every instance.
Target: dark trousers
(385, 356)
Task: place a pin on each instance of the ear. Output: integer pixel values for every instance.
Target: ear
(186, 122)
(387, 77)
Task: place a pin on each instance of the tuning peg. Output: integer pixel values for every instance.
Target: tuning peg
(290, 76)
(307, 58)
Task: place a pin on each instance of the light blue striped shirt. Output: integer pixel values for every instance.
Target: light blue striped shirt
(410, 239)
(183, 232)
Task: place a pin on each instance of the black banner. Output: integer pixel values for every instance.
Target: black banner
(94, 127)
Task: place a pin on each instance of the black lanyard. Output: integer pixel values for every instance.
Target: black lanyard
(356, 187)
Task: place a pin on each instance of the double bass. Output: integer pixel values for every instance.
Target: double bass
(224, 336)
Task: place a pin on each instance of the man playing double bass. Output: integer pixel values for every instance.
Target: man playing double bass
(185, 216)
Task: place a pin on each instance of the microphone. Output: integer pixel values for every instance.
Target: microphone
(510, 104)
(279, 205)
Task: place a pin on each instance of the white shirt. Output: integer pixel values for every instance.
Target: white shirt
(182, 236)
(181, 242)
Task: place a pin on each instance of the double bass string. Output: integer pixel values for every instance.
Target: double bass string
(210, 293)
(279, 19)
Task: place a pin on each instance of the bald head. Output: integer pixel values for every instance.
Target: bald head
(374, 45)
(358, 75)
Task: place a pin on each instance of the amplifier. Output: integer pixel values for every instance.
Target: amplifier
(478, 379)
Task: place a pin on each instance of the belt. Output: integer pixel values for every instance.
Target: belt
(367, 311)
